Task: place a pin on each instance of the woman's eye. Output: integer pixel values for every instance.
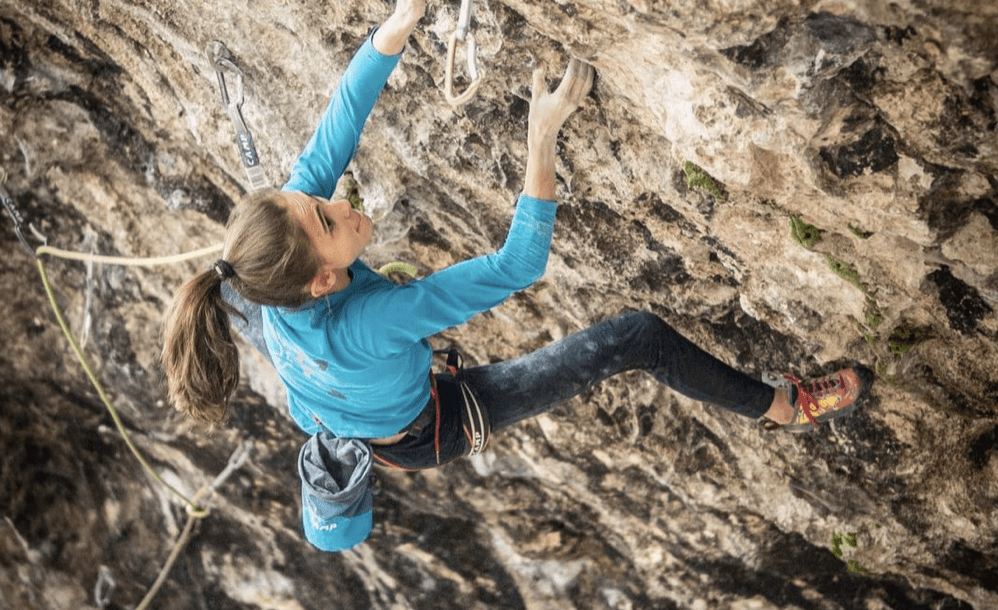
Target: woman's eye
(325, 221)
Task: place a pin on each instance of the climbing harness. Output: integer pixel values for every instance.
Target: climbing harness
(222, 60)
(448, 394)
(477, 427)
(476, 422)
(462, 34)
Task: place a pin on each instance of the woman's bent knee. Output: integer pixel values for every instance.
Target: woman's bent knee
(643, 321)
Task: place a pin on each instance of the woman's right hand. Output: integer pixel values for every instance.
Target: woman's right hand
(549, 111)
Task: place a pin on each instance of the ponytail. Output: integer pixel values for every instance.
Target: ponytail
(268, 258)
(199, 353)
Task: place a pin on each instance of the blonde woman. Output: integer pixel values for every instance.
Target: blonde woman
(352, 348)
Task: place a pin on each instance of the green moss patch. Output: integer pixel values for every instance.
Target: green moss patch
(904, 337)
(804, 234)
(845, 271)
(696, 177)
(353, 192)
(860, 233)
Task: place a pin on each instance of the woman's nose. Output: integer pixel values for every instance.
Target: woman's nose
(336, 209)
(343, 208)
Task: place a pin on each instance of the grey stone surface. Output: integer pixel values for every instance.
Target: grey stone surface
(873, 122)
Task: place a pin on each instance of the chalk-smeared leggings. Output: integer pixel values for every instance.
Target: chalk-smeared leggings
(514, 390)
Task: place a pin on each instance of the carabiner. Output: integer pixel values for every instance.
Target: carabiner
(15, 217)
(462, 34)
(221, 59)
(104, 588)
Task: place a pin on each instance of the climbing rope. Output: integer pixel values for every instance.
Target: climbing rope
(462, 34)
(128, 261)
(197, 507)
(192, 508)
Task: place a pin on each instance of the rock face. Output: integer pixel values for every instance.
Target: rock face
(793, 185)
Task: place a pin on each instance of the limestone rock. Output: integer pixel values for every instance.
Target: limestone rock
(873, 122)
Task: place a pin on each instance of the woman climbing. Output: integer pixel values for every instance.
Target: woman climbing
(352, 349)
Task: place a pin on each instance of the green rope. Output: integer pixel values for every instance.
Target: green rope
(400, 267)
(192, 508)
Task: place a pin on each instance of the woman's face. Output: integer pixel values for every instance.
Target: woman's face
(338, 232)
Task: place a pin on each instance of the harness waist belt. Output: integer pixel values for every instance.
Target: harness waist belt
(425, 417)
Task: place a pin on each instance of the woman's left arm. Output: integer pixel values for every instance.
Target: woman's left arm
(391, 37)
(335, 141)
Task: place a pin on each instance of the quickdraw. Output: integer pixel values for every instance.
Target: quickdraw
(222, 60)
(462, 34)
(15, 217)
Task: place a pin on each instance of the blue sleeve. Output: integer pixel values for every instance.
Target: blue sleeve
(391, 321)
(335, 140)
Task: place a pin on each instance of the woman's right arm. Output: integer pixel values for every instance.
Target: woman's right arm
(453, 295)
(548, 112)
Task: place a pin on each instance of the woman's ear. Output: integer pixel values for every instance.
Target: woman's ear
(323, 283)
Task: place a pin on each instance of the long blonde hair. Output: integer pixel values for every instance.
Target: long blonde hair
(272, 261)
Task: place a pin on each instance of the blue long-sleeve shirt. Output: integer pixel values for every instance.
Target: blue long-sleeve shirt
(357, 362)
(335, 141)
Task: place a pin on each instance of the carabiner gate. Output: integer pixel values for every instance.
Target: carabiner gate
(462, 34)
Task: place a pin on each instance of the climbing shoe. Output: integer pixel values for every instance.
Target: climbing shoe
(819, 399)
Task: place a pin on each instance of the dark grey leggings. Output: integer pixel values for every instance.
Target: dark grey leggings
(515, 390)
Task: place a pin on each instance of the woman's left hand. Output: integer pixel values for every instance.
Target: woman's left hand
(410, 11)
(391, 37)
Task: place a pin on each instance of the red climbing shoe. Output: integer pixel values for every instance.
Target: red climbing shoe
(822, 399)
